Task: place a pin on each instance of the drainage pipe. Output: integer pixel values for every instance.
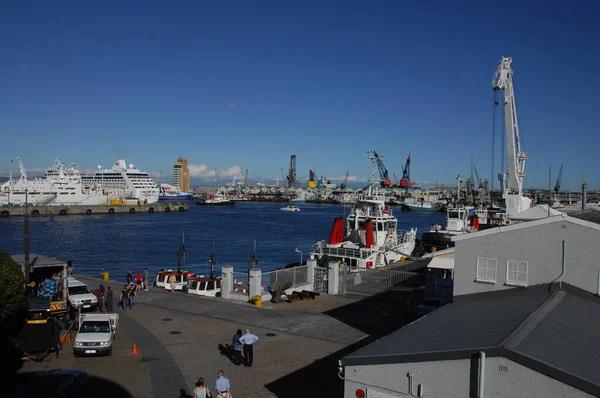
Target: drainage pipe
(481, 378)
(562, 272)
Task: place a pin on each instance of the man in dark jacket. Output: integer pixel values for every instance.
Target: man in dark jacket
(109, 300)
(98, 293)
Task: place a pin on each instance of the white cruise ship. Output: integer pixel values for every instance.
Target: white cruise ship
(122, 182)
(59, 188)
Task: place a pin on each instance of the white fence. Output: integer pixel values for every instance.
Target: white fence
(296, 276)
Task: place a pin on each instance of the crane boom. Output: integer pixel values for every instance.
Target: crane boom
(477, 176)
(405, 181)
(512, 184)
(383, 172)
(557, 186)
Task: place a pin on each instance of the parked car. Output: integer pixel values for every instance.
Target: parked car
(431, 304)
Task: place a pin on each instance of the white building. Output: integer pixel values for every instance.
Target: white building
(528, 253)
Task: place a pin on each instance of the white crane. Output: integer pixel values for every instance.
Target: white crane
(512, 182)
(23, 172)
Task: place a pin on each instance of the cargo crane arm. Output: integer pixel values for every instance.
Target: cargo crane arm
(405, 181)
(477, 176)
(383, 172)
(503, 80)
(557, 186)
(344, 182)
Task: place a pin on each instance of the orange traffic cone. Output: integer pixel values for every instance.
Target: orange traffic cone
(134, 350)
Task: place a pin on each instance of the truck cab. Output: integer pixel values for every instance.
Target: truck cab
(95, 334)
(81, 296)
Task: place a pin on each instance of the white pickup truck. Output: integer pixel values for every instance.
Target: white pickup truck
(95, 334)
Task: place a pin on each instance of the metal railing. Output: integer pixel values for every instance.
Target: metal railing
(372, 282)
(295, 275)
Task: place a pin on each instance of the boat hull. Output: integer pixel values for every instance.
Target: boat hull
(182, 196)
(223, 203)
(417, 208)
(439, 239)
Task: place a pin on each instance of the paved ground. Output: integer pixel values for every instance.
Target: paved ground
(181, 337)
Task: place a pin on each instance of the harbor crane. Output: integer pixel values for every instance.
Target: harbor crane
(512, 181)
(477, 176)
(21, 168)
(291, 177)
(383, 173)
(405, 181)
(344, 182)
(557, 185)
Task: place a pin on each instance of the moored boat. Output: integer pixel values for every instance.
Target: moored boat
(291, 207)
(181, 277)
(62, 187)
(215, 200)
(369, 237)
(457, 223)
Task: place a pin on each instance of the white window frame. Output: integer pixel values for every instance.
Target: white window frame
(515, 275)
(485, 267)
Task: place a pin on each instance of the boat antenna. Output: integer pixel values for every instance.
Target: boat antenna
(212, 261)
(181, 252)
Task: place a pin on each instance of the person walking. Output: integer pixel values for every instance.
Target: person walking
(124, 298)
(70, 266)
(146, 278)
(138, 282)
(131, 295)
(201, 391)
(109, 300)
(129, 277)
(248, 340)
(236, 348)
(223, 386)
(172, 282)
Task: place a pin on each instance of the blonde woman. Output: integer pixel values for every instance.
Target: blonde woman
(172, 282)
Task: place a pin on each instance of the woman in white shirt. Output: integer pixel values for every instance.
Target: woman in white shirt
(201, 391)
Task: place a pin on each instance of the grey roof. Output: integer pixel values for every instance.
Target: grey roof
(554, 333)
(535, 213)
(39, 260)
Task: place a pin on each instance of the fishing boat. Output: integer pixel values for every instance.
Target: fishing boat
(170, 192)
(420, 206)
(290, 207)
(181, 279)
(181, 276)
(369, 236)
(203, 285)
(215, 200)
(457, 223)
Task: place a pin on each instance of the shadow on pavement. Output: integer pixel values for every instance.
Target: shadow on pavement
(376, 316)
(225, 350)
(36, 384)
(381, 314)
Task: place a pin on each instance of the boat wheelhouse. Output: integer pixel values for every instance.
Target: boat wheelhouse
(205, 286)
(182, 278)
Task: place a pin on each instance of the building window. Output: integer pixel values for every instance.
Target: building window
(486, 270)
(516, 273)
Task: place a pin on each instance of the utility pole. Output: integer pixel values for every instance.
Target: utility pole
(251, 262)
(26, 237)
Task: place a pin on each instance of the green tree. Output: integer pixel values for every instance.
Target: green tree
(12, 286)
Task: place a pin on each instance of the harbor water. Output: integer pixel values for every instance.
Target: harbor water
(121, 242)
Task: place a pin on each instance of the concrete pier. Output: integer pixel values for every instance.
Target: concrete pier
(10, 211)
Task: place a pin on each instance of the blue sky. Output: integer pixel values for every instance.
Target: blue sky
(235, 85)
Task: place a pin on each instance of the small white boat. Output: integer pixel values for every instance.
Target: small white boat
(205, 287)
(291, 207)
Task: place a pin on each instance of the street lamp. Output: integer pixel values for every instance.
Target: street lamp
(299, 251)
